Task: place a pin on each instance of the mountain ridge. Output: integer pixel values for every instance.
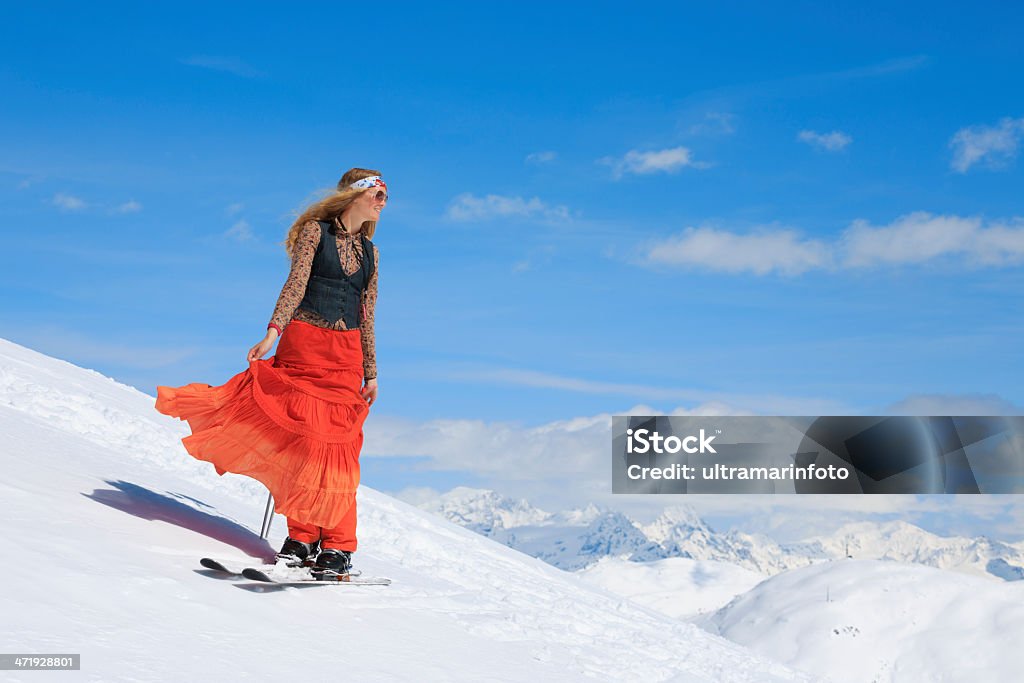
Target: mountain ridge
(572, 541)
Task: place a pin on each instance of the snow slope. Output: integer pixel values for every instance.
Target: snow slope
(862, 621)
(677, 586)
(105, 517)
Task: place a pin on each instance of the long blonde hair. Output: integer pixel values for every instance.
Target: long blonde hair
(331, 206)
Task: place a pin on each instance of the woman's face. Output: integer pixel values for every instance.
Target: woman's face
(372, 202)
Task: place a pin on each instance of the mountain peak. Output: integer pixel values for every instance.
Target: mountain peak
(675, 521)
(484, 510)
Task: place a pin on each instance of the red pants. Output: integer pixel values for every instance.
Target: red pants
(341, 537)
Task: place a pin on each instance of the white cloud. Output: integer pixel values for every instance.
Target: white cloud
(87, 351)
(1000, 244)
(568, 455)
(545, 157)
(67, 202)
(234, 209)
(884, 68)
(240, 231)
(993, 146)
(913, 239)
(130, 206)
(830, 142)
(537, 256)
(503, 450)
(920, 237)
(946, 404)
(544, 380)
(720, 123)
(796, 517)
(232, 65)
(761, 252)
(708, 402)
(418, 495)
(658, 161)
(468, 207)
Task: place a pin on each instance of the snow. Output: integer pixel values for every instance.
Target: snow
(105, 517)
(870, 620)
(677, 586)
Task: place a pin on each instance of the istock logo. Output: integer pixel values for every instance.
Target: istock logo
(645, 441)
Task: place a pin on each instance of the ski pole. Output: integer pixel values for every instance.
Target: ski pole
(268, 517)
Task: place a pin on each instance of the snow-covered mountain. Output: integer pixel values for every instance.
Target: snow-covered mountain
(107, 517)
(907, 543)
(868, 620)
(682, 533)
(484, 511)
(568, 540)
(575, 540)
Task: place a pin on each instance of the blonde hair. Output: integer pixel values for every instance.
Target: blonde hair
(331, 206)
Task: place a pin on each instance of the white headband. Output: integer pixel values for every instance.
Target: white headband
(367, 183)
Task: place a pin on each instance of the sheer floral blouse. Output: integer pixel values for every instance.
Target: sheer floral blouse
(350, 252)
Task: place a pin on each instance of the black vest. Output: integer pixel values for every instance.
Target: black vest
(330, 293)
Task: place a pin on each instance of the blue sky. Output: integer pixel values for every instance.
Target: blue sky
(773, 208)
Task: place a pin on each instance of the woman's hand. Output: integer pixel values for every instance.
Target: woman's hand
(370, 391)
(261, 349)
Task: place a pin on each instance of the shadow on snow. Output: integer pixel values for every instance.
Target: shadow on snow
(142, 502)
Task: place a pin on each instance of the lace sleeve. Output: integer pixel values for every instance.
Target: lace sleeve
(366, 326)
(295, 286)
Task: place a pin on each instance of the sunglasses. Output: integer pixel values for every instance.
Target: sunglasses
(380, 196)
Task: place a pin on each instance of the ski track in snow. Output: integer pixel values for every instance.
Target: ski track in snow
(109, 517)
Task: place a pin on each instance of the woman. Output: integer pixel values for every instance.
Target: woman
(294, 422)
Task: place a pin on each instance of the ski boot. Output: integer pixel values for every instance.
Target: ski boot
(331, 564)
(296, 553)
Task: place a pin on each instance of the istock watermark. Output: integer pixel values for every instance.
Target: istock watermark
(829, 454)
(642, 440)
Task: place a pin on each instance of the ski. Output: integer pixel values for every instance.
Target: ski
(351, 579)
(218, 566)
(235, 568)
(226, 567)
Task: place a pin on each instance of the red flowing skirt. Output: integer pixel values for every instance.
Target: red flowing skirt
(293, 422)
